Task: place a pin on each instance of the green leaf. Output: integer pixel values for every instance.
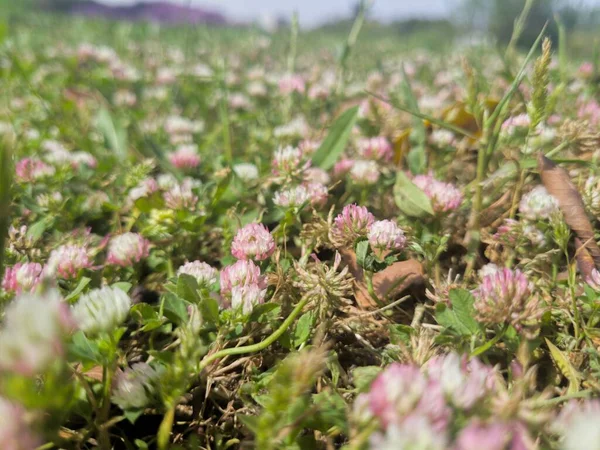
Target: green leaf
(332, 412)
(460, 316)
(114, 134)
(80, 287)
(400, 334)
(565, 367)
(417, 158)
(337, 138)
(82, 350)
(175, 309)
(187, 288)
(6, 176)
(362, 250)
(125, 286)
(411, 200)
(35, 231)
(260, 312)
(303, 328)
(209, 308)
(362, 377)
(132, 416)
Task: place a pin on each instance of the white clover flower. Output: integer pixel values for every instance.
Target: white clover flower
(247, 297)
(246, 171)
(31, 337)
(204, 274)
(135, 386)
(101, 310)
(538, 204)
(364, 172)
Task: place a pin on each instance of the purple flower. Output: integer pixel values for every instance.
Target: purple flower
(291, 83)
(396, 392)
(386, 235)
(22, 277)
(242, 273)
(254, 241)
(181, 197)
(505, 297)
(477, 436)
(353, 222)
(444, 196)
(377, 148)
(288, 162)
(15, 433)
(30, 169)
(185, 157)
(67, 260)
(127, 249)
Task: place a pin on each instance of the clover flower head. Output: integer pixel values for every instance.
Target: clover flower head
(538, 204)
(288, 161)
(376, 148)
(22, 277)
(577, 425)
(33, 332)
(185, 157)
(292, 198)
(30, 169)
(478, 435)
(67, 260)
(291, 83)
(316, 175)
(242, 273)
(15, 433)
(254, 241)
(135, 386)
(247, 297)
(101, 310)
(594, 280)
(353, 222)
(444, 196)
(127, 249)
(386, 235)
(246, 171)
(181, 197)
(204, 274)
(365, 172)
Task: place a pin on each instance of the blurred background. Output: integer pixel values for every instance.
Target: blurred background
(424, 23)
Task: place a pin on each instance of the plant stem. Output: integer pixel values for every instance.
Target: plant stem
(164, 431)
(260, 345)
(103, 434)
(489, 344)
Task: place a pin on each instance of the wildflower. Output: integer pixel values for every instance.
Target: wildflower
(127, 249)
(577, 424)
(83, 158)
(134, 387)
(246, 171)
(101, 310)
(296, 128)
(204, 274)
(353, 222)
(257, 89)
(287, 161)
(180, 196)
(505, 297)
(316, 175)
(239, 101)
(293, 197)
(22, 277)
(317, 193)
(15, 433)
(124, 97)
(396, 392)
(594, 280)
(185, 157)
(442, 138)
(242, 273)
(322, 282)
(291, 83)
(30, 169)
(538, 204)
(364, 172)
(463, 382)
(477, 435)
(416, 432)
(444, 196)
(342, 167)
(33, 332)
(145, 188)
(377, 148)
(247, 297)
(519, 123)
(488, 269)
(67, 261)
(386, 235)
(254, 241)
(591, 195)
(309, 147)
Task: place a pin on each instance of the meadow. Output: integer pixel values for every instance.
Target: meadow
(221, 238)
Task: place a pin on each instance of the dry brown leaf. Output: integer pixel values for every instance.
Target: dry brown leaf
(559, 185)
(387, 283)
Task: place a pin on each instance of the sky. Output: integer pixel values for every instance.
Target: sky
(313, 12)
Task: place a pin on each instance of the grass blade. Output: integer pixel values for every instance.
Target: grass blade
(335, 142)
(6, 176)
